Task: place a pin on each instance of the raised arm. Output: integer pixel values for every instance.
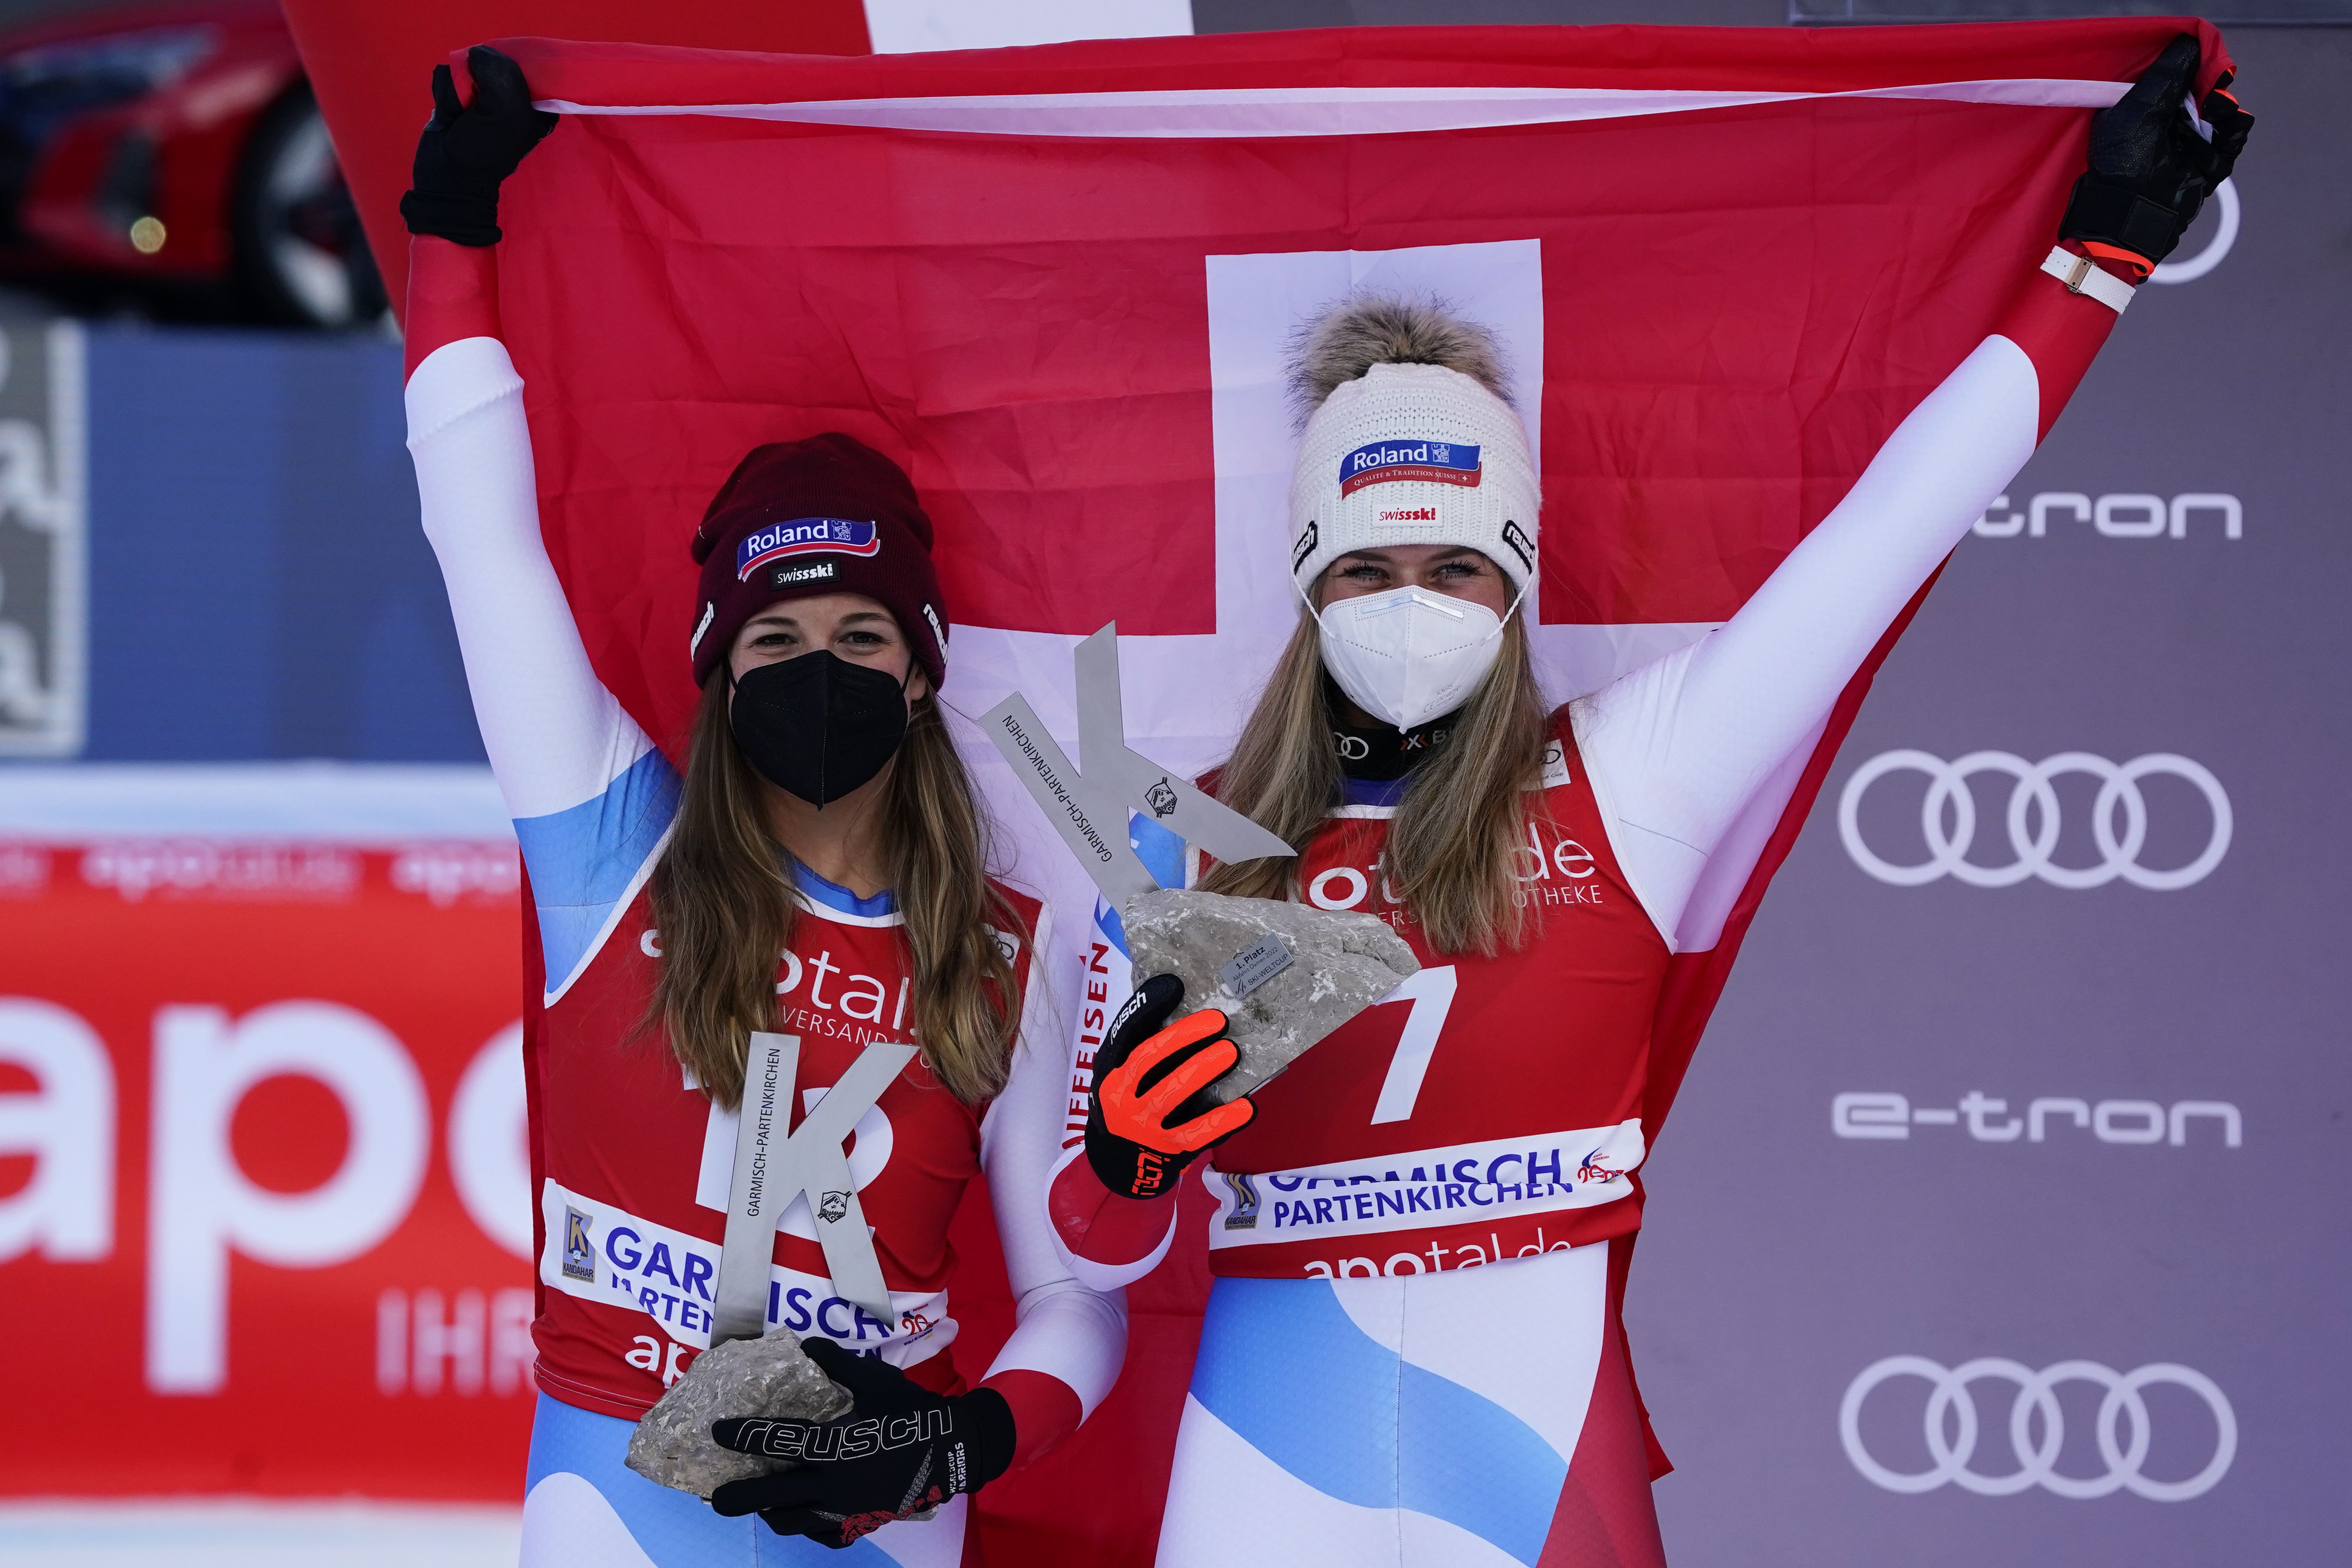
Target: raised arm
(1065, 1351)
(589, 795)
(1680, 747)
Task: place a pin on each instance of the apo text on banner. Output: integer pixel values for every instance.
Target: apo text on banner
(262, 1167)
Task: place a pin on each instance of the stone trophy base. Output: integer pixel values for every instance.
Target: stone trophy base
(767, 1376)
(1285, 975)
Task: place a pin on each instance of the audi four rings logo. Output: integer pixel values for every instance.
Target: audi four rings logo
(1949, 1405)
(2032, 820)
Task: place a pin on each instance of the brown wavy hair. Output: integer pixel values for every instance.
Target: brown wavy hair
(724, 903)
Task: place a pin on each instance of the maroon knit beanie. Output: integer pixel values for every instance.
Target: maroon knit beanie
(827, 515)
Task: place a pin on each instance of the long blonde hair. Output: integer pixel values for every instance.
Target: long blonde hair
(1468, 808)
(724, 902)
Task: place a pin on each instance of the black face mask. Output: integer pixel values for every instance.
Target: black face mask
(818, 726)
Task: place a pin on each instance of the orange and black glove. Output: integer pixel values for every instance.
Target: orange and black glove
(2151, 164)
(1151, 1112)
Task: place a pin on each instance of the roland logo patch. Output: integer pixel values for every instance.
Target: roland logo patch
(803, 536)
(1387, 462)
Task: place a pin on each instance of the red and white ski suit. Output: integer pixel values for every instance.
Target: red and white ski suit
(1493, 1111)
(631, 1162)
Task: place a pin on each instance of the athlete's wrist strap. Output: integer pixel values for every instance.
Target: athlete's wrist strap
(2083, 275)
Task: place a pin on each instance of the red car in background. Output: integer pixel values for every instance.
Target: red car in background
(173, 154)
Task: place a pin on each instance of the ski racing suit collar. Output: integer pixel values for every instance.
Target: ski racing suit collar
(834, 896)
(1377, 760)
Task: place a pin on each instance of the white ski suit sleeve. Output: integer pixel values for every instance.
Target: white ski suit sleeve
(1693, 755)
(590, 795)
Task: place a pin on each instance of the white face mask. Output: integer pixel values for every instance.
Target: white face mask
(1408, 656)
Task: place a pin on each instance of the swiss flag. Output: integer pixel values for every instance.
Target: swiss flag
(1751, 253)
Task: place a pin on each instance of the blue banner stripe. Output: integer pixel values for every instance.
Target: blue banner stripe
(1162, 854)
(674, 1529)
(1161, 849)
(1283, 1366)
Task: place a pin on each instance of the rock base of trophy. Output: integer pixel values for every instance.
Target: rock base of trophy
(1338, 964)
(768, 1377)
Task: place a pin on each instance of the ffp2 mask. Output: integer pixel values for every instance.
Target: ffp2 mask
(1408, 656)
(817, 726)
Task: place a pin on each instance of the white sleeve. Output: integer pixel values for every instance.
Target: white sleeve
(1690, 754)
(1062, 1329)
(591, 797)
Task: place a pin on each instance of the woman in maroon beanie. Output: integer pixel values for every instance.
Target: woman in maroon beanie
(817, 870)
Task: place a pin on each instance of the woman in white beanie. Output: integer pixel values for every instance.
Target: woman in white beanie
(1411, 1353)
(1366, 1388)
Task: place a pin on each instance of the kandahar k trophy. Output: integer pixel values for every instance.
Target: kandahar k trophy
(1285, 975)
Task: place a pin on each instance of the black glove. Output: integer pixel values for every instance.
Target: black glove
(1149, 1114)
(467, 149)
(900, 1449)
(2150, 171)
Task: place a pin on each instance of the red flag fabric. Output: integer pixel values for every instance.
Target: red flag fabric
(1055, 283)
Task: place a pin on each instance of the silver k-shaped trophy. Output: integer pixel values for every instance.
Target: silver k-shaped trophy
(1285, 974)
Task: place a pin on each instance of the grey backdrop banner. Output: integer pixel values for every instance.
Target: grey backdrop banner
(2162, 601)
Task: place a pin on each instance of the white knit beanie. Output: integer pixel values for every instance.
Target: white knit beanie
(1410, 441)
